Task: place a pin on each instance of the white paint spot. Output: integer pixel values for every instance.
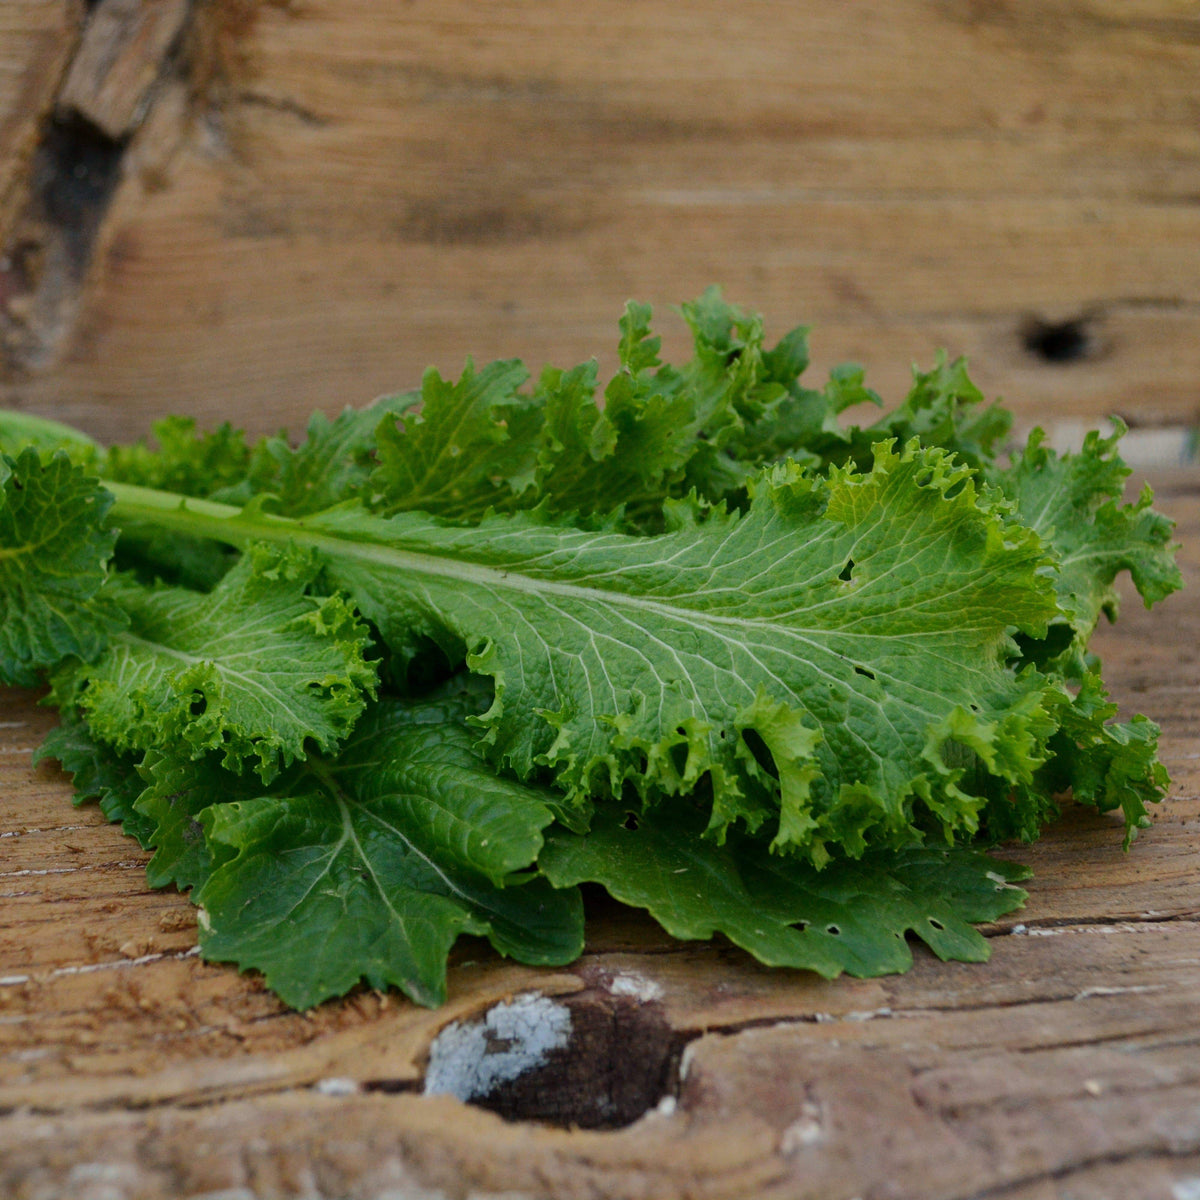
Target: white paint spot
(472, 1060)
(873, 1014)
(1019, 929)
(685, 1061)
(629, 983)
(415, 1192)
(336, 1087)
(807, 1130)
(103, 1181)
(1186, 1189)
(1093, 1087)
(1000, 882)
(13, 980)
(1087, 993)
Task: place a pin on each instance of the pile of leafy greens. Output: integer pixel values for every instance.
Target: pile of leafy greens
(697, 640)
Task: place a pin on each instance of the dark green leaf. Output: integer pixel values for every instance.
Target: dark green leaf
(54, 551)
(850, 916)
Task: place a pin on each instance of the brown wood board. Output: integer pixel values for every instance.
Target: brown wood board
(313, 201)
(1068, 1065)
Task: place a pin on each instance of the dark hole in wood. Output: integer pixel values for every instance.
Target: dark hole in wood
(620, 1059)
(76, 173)
(1058, 341)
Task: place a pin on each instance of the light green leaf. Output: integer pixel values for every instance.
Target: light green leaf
(19, 430)
(184, 461)
(333, 463)
(257, 668)
(874, 607)
(1104, 762)
(458, 455)
(943, 408)
(1073, 501)
(54, 551)
(850, 916)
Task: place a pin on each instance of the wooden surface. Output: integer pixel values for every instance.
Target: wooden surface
(311, 200)
(1067, 1066)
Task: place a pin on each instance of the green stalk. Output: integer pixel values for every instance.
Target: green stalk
(19, 429)
(197, 518)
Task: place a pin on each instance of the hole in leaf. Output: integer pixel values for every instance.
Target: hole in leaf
(864, 671)
(1058, 341)
(630, 822)
(1059, 636)
(428, 667)
(762, 755)
(847, 571)
(833, 930)
(198, 705)
(598, 1059)
(937, 924)
(679, 757)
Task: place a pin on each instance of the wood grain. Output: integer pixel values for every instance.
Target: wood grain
(326, 197)
(119, 60)
(1069, 1065)
(37, 38)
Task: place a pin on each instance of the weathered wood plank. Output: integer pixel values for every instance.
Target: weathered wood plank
(118, 61)
(1069, 1065)
(36, 41)
(358, 190)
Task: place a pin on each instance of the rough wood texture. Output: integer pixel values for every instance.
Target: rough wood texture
(36, 41)
(119, 60)
(326, 196)
(1067, 1066)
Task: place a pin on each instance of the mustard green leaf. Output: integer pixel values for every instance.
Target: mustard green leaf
(851, 917)
(332, 464)
(99, 773)
(369, 866)
(457, 455)
(54, 552)
(257, 669)
(874, 606)
(1074, 502)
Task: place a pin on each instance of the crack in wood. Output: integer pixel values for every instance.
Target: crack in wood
(1066, 1171)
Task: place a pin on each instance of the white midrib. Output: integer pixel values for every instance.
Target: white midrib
(228, 524)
